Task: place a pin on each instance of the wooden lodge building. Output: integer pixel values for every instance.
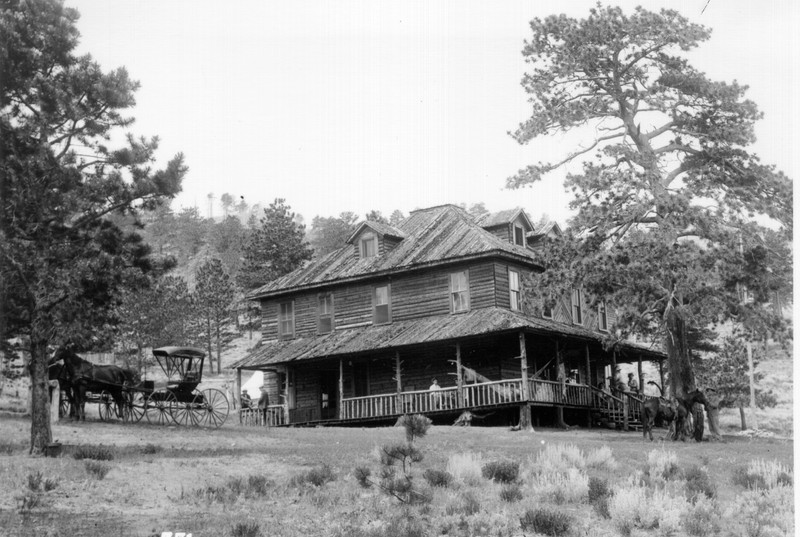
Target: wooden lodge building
(358, 335)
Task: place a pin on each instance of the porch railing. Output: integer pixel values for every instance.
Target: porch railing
(547, 391)
(493, 393)
(369, 406)
(276, 415)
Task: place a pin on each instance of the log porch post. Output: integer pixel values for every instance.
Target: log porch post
(525, 409)
(641, 377)
(589, 382)
(399, 381)
(459, 378)
(237, 391)
(341, 388)
(661, 375)
(560, 374)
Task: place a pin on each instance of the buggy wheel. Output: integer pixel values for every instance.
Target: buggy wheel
(106, 406)
(214, 408)
(188, 413)
(134, 407)
(158, 406)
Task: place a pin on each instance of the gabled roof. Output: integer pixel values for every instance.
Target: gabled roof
(426, 330)
(378, 227)
(435, 236)
(504, 217)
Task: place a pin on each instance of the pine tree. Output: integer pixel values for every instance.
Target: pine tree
(214, 294)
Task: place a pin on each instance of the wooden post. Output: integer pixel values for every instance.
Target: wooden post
(560, 377)
(589, 382)
(625, 408)
(341, 387)
(661, 376)
(459, 378)
(399, 382)
(55, 400)
(237, 388)
(641, 377)
(525, 409)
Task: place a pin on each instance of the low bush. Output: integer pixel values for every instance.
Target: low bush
(600, 506)
(761, 474)
(702, 519)
(765, 512)
(97, 470)
(151, 449)
(571, 486)
(97, 453)
(698, 483)
(465, 503)
(601, 459)
(465, 467)
(598, 489)
(34, 481)
(317, 476)
(258, 485)
(546, 521)
(246, 529)
(560, 458)
(631, 507)
(662, 464)
(511, 492)
(437, 478)
(501, 471)
(6, 448)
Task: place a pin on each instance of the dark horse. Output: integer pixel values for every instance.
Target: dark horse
(676, 411)
(56, 371)
(84, 376)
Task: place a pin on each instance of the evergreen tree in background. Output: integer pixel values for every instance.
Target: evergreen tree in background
(328, 234)
(62, 260)
(214, 294)
(275, 247)
(666, 208)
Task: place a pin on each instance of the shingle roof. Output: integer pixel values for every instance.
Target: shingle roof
(435, 236)
(503, 217)
(440, 328)
(383, 229)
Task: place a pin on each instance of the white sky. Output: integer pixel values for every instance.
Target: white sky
(360, 105)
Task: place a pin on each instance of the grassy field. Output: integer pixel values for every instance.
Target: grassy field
(140, 480)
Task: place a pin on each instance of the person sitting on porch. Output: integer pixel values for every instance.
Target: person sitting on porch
(435, 396)
(245, 399)
(571, 378)
(633, 386)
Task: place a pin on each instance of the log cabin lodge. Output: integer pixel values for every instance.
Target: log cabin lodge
(356, 336)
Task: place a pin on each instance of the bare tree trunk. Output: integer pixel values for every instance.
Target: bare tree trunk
(742, 416)
(208, 343)
(219, 346)
(712, 411)
(681, 369)
(41, 433)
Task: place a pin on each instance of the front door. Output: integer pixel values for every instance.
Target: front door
(329, 396)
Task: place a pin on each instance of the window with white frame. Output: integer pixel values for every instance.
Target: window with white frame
(325, 313)
(368, 245)
(459, 291)
(602, 316)
(382, 312)
(514, 289)
(286, 319)
(577, 306)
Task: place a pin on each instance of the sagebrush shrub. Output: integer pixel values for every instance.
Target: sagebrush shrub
(763, 474)
(246, 529)
(464, 503)
(511, 492)
(662, 464)
(632, 507)
(466, 467)
(560, 458)
(437, 478)
(601, 459)
(571, 486)
(698, 483)
(501, 471)
(6, 448)
(600, 506)
(702, 519)
(317, 476)
(546, 521)
(98, 453)
(765, 512)
(35, 481)
(96, 469)
(151, 449)
(598, 489)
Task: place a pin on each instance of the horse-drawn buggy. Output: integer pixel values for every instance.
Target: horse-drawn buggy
(118, 392)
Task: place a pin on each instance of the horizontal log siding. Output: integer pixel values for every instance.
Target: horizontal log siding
(482, 286)
(274, 389)
(269, 319)
(502, 232)
(307, 389)
(305, 315)
(420, 295)
(352, 304)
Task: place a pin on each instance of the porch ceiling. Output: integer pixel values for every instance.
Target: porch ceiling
(442, 328)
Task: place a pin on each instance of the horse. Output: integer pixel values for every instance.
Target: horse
(676, 411)
(683, 419)
(84, 376)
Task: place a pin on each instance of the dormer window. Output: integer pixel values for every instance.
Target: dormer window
(368, 245)
(577, 306)
(602, 317)
(519, 235)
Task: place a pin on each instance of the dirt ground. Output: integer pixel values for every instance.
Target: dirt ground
(146, 493)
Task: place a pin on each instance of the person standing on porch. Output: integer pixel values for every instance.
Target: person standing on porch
(435, 395)
(633, 386)
(263, 403)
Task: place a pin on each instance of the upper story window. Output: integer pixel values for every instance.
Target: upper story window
(286, 319)
(577, 306)
(382, 305)
(547, 311)
(325, 313)
(519, 235)
(602, 317)
(514, 289)
(459, 291)
(368, 245)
